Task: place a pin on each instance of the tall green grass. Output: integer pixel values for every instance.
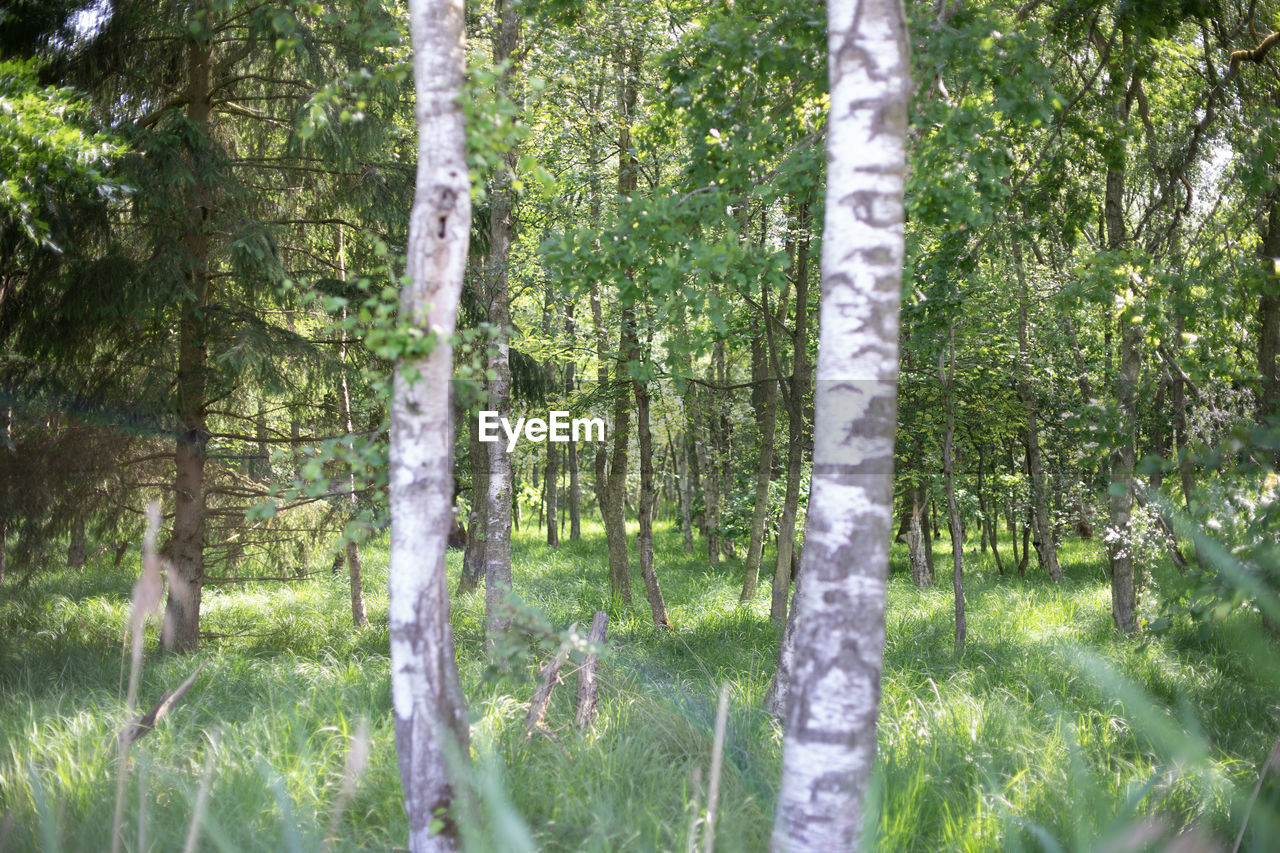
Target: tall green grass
(1047, 732)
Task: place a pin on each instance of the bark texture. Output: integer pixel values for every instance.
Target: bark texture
(918, 541)
(497, 548)
(181, 629)
(829, 745)
(430, 712)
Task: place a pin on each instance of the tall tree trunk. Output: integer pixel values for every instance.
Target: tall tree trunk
(1180, 440)
(1119, 547)
(615, 518)
(627, 68)
(1046, 550)
(497, 547)
(1269, 311)
(829, 746)
(600, 460)
(764, 473)
(355, 572)
(711, 475)
(181, 629)
(432, 732)
(724, 447)
(796, 408)
(653, 591)
(571, 451)
(948, 376)
(697, 451)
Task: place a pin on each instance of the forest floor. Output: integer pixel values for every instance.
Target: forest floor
(1047, 732)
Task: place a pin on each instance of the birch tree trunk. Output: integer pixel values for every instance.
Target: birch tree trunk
(829, 747)
(497, 548)
(430, 712)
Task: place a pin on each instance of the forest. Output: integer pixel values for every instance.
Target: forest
(678, 425)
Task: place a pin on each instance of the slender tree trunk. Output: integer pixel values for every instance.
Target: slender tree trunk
(948, 473)
(431, 726)
(685, 493)
(1180, 440)
(497, 548)
(355, 572)
(724, 447)
(1269, 311)
(615, 519)
(1026, 544)
(1119, 546)
(542, 494)
(796, 426)
(697, 450)
(552, 497)
(1046, 551)
(764, 473)
(478, 521)
(711, 477)
(181, 629)
(571, 451)
(600, 460)
(830, 740)
(653, 591)
(1009, 517)
(986, 506)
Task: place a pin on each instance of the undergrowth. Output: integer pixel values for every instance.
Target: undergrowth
(1047, 732)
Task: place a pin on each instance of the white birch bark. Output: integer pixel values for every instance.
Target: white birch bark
(430, 713)
(834, 695)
